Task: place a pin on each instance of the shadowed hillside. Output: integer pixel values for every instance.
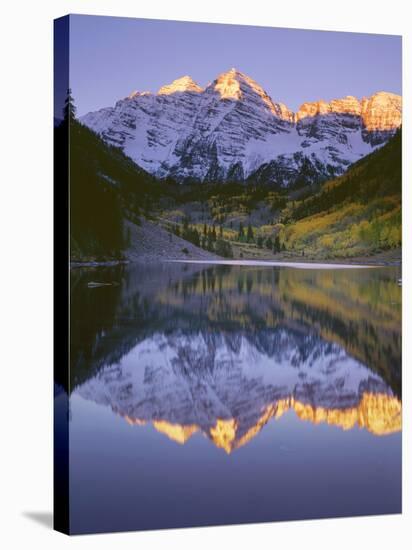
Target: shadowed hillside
(106, 187)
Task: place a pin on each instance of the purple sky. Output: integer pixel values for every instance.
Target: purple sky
(112, 56)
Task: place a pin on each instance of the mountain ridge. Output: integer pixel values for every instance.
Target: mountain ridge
(230, 129)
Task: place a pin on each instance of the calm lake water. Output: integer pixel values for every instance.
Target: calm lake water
(205, 395)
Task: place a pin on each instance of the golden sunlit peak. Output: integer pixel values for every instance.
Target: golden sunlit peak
(223, 434)
(176, 432)
(228, 85)
(183, 84)
(381, 111)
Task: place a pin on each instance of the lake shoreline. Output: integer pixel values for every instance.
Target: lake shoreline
(388, 258)
(274, 263)
(391, 258)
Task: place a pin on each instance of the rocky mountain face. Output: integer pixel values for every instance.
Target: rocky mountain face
(231, 130)
(227, 387)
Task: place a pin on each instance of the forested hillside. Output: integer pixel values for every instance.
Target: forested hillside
(356, 214)
(106, 188)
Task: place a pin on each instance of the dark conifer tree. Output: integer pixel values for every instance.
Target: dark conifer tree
(196, 237)
(210, 242)
(276, 245)
(69, 110)
(241, 234)
(249, 233)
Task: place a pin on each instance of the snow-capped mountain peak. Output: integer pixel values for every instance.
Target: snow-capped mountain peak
(228, 84)
(382, 111)
(236, 85)
(347, 105)
(232, 130)
(183, 84)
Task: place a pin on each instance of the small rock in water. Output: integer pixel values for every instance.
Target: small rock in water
(94, 284)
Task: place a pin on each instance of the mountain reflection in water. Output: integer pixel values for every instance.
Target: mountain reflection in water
(223, 350)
